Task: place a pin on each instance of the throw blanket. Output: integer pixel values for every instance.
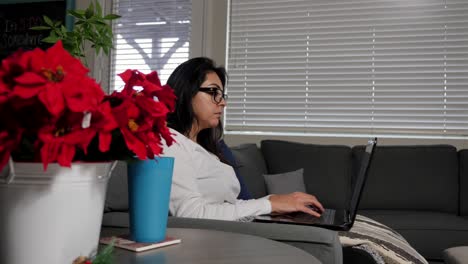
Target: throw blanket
(379, 241)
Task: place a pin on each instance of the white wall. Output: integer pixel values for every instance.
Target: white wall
(209, 19)
(99, 65)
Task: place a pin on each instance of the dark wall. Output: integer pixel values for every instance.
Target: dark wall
(16, 19)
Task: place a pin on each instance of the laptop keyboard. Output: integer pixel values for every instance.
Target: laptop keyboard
(327, 217)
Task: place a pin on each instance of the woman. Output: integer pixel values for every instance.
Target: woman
(204, 186)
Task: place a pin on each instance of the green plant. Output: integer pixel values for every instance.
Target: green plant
(90, 26)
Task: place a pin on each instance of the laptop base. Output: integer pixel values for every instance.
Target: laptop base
(339, 222)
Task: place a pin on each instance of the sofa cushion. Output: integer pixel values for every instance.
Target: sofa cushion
(411, 177)
(456, 255)
(117, 189)
(463, 161)
(327, 168)
(116, 219)
(284, 183)
(428, 232)
(251, 166)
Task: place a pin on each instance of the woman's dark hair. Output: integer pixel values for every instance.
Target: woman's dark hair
(185, 81)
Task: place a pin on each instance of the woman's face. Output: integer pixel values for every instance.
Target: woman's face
(207, 111)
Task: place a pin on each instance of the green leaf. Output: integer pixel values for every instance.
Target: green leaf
(48, 21)
(98, 9)
(111, 17)
(40, 28)
(105, 256)
(99, 23)
(106, 50)
(89, 11)
(50, 39)
(80, 12)
(77, 13)
(63, 29)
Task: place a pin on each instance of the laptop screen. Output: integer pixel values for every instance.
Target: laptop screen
(362, 176)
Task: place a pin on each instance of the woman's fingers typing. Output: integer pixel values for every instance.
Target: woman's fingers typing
(297, 201)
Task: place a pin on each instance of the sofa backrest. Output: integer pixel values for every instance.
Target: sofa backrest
(411, 177)
(327, 168)
(251, 167)
(463, 162)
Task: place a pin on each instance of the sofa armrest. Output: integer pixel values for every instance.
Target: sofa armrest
(322, 243)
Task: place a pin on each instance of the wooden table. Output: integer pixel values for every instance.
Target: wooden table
(210, 246)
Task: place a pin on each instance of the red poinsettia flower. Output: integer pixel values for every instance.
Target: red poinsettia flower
(139, 113)
(50, 73)
(11, 67)
(85, 95)
(126, 115)
(103, 122)
(151, 86)
(60, 146)
(164, 93)
(53, 111)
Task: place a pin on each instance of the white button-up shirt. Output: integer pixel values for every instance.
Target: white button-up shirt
(204, 187)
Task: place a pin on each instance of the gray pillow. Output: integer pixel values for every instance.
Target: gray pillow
(287, 182)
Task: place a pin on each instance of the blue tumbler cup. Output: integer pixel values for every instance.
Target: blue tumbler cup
(149, 188)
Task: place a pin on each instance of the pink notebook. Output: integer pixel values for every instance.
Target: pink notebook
(123, 241)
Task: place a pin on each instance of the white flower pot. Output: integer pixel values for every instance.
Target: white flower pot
(54, 216)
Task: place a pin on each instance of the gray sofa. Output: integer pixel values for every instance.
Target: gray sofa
(321, 243)
(420, 191)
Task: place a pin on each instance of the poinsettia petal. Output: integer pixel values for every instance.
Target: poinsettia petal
(154, 143)
(49, 153)
(4, 149)
(153, 78)
(26, 92)
(105, 139)
(52, 98)
(57, 56)
(103, 119)
(168, 136)
(126, 75)
(131, 78)
(30, 78)
(82, 94)
(149, 89)
(37, 59)
(80, 138)
(4, 92)
(67, 152)
(167, 96)
(134, 144)
(155, 109)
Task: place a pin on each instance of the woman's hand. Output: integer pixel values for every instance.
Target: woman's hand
(293, 202)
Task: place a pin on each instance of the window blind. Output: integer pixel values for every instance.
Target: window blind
(351, 66)
(150, 35)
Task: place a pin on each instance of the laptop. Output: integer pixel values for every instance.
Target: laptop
(335, 219)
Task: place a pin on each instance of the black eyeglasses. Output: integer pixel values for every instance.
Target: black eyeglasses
(217, 93)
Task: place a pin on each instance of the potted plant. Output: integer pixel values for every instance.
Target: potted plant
(60, 134)
(91, 27)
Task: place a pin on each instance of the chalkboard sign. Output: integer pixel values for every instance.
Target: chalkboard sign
(17, 19)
